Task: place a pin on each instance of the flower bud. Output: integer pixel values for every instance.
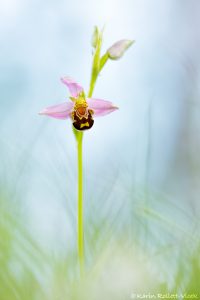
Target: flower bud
(117, 50)
(95, 37)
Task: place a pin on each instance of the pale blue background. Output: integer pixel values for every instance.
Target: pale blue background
(153, 140)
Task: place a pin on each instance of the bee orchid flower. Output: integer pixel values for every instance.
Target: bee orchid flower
(80, 109)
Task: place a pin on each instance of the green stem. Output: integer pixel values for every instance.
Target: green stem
(79, 138)
(97, 66)
(95, 73)
(80, 201)
(92, 84)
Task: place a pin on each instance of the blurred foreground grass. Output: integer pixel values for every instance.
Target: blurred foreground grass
(143, 247)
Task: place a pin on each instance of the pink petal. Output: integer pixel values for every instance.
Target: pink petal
(101, 107)
(73, 86)
(60, 111)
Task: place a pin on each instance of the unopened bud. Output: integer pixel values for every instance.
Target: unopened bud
(117, 50)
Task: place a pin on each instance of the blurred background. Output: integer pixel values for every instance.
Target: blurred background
(141, 163)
